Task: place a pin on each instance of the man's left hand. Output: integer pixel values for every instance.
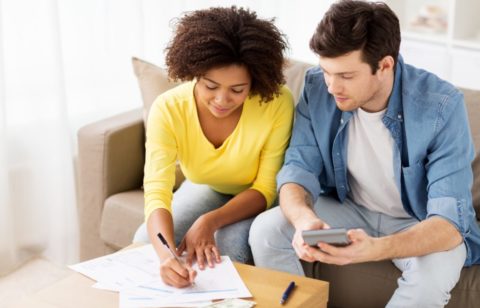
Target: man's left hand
(363, 248)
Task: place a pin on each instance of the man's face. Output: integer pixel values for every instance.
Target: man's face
(351, 82)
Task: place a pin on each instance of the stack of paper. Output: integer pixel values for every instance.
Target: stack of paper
(134, 274)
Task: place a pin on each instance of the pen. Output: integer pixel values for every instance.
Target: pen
(287, 292)
(164, 242)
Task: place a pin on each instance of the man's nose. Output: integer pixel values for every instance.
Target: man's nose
(334, 86)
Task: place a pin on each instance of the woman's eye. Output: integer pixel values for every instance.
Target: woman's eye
(211, 87)
(237, 91)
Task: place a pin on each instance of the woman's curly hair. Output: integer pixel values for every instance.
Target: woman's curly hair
(217, 37)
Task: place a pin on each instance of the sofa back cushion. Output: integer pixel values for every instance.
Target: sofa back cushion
(472, 101)
(153, 81)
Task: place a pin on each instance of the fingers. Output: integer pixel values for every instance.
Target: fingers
(191, 274)
(181, 247)
(190, 255)
(300, 246)
(216, 254)
(174, 274)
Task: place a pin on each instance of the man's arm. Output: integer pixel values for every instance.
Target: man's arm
(296, 205)
(431, 235)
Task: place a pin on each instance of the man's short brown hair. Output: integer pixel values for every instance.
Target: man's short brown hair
(350, 25)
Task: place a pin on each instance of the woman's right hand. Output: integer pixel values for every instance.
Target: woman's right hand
(175, 274)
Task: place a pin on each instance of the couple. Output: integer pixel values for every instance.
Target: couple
(377, 147)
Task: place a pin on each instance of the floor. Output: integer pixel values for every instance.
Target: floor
(31, 277)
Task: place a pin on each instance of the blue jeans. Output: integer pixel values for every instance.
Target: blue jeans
(425, 282)
(191, 201)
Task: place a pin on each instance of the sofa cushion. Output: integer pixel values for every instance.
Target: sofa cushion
(372, 284)
(472, 101)
(121, 216)
(294, 72)
(152, 80)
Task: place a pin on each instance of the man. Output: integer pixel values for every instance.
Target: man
(382, 149)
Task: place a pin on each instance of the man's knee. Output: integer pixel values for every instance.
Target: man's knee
(270, 229)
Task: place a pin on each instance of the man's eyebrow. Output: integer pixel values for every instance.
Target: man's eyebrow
(235, 85)
(339, 73)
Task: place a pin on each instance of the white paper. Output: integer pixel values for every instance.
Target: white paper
(135, 274)
(220, 282)
(124, 269)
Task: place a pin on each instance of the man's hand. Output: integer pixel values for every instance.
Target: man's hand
(363, 248)
(298, 243)
(199, 241)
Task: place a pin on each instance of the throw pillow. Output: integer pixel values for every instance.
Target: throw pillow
(152, 80)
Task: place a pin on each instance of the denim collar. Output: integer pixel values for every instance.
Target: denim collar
(394, 106)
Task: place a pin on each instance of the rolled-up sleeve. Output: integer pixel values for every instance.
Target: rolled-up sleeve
(449, 171)
(272, 154)
(303, 161)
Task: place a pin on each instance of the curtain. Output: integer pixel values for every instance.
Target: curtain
(67, 63)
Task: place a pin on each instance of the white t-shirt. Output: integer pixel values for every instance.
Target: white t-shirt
(370, 164)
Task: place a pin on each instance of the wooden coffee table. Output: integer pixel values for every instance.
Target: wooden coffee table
(266, 286)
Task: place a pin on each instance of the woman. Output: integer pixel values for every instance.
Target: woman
(228, 127)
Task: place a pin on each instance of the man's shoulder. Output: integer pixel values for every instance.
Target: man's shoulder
(314, 76)
(428, 89)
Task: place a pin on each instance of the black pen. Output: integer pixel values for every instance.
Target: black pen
(287, 292)
(164, 242)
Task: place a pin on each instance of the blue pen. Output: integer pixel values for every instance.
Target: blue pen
(287, 292)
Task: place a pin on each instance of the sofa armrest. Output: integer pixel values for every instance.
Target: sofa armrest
(110, 160)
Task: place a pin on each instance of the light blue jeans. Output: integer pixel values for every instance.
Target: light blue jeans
(191, 201)
(425, 282)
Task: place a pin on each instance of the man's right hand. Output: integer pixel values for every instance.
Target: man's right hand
(175, 274)
(298, 243)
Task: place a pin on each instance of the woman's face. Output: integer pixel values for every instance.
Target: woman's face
(223, 90)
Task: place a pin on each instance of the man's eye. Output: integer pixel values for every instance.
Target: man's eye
(211, 87)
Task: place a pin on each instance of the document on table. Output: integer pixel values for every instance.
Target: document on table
(222, 281)
(134, 273)
(121, 270)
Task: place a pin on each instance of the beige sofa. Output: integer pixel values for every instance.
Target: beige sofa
(111, 158)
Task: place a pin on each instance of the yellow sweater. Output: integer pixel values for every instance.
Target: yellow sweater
(249, 158)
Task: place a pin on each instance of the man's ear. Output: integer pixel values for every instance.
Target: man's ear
(387, 63)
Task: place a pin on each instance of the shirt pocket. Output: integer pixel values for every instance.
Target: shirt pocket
(414, 187)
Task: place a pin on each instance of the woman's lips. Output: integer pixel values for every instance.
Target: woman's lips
(219, 109)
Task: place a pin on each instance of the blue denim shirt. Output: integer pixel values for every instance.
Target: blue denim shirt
(432, 156)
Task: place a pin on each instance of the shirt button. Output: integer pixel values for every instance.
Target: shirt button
(338, 154)
(399, 116)
(341, 121)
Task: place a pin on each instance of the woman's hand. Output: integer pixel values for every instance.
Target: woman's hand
(175, 274)
(199, 241)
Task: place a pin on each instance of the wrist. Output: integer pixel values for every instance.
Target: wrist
(211, 219)
(383, 249)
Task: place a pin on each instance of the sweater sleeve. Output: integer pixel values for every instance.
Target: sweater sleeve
(272, 154)
(160, 158)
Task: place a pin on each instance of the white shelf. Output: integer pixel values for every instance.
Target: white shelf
(442, 36)
(469, 44)
(425, 37)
